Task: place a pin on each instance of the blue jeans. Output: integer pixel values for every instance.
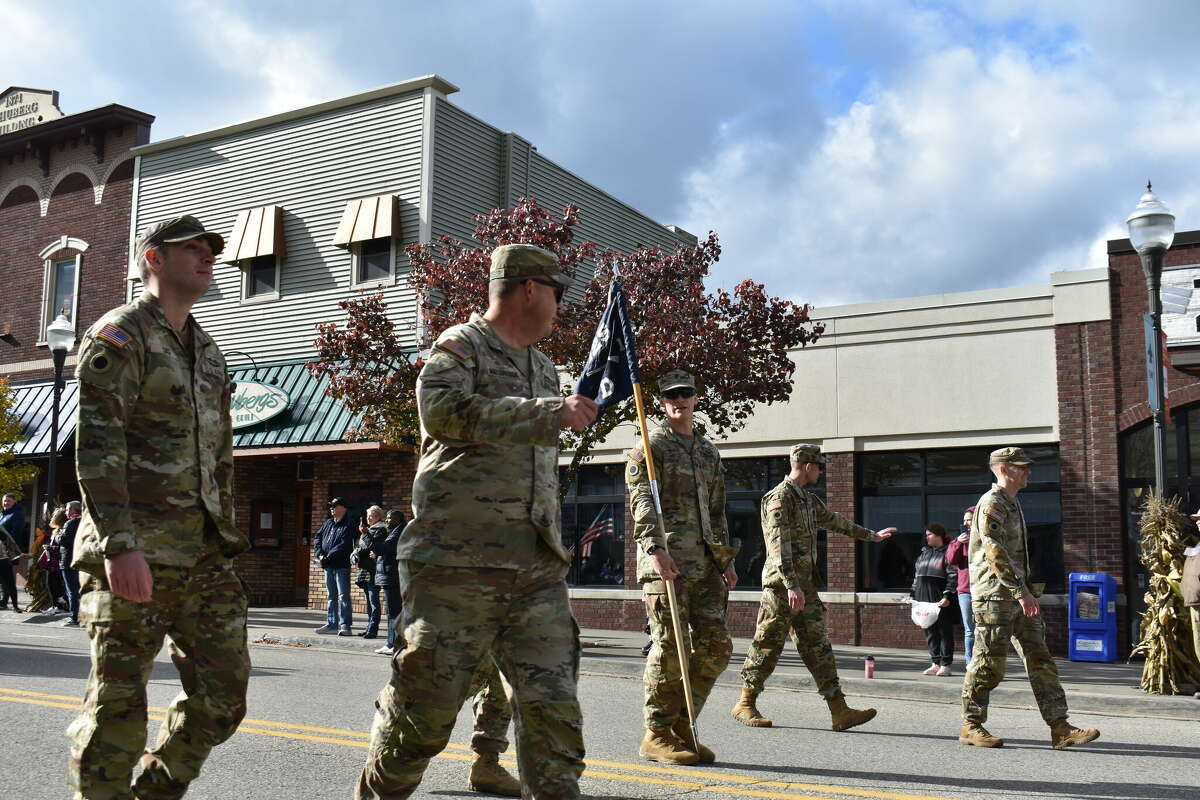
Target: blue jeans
(337, 584)
(968, 618)
(71, 581)
(372, 594)
(395, 605)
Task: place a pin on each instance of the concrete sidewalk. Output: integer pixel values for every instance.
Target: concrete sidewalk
(1090, 686)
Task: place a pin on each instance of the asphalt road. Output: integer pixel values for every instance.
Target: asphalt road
(310, 711)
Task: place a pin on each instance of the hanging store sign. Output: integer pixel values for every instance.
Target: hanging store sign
(24, 108)
(255, 402)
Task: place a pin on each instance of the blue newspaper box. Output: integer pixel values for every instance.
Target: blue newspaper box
(1092, 617)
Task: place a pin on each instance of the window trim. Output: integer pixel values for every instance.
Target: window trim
(265, 297)
(49, 260)
(355, 258)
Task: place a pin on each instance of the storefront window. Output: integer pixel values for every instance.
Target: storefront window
(746, 481)
(593, 526)
(909, 490)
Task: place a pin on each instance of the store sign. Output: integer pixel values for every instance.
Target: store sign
(24, 108)
(1181, 305)
(255, 402)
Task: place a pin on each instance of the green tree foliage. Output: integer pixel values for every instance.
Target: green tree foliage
(13, 474)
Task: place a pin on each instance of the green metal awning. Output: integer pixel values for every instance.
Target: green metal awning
(311, 418)
(33, 409)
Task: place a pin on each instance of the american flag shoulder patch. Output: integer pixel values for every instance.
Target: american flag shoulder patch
(775, 504)
(995, 514)
(113, 335)
(636, 454)
(455, 349)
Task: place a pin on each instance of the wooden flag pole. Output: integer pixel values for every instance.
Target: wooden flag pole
(680, 642)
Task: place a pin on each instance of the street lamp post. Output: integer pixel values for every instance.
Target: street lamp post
(60, 335)
(1151, 232)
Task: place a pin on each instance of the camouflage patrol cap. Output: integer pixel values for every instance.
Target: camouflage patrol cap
(526, 261)
(1009, 455)
(805, 453)
(174, 230)
(676, 379)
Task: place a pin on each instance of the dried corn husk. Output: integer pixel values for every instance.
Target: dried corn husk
(1166, 639)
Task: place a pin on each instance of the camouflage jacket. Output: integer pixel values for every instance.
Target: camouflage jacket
(691, 483)
(999, 548)
(486, 489)
(154, 450)
(791, 516)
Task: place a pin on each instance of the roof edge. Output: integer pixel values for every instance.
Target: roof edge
(1116, 246)
(433, 81)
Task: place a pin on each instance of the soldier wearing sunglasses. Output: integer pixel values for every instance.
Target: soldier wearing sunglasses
(790, 517)
(696, 555)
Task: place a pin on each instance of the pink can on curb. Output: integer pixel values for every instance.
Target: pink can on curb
(869, 667)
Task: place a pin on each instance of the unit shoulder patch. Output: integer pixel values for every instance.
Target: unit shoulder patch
(114, 335)
(456, 349)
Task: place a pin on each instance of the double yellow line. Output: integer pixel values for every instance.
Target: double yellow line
(714, 782)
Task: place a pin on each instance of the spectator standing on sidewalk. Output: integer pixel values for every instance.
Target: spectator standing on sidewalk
(66, 543)
(373, 528)
(387, 575)
(956, 554)
(332, 546)
(1190, 586)
(934, 581)
(9, 553)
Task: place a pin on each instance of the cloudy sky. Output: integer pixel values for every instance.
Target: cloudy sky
(845, 151)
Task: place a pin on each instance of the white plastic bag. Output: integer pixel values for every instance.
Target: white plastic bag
(924, 614)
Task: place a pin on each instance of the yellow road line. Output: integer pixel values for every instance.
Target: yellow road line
(730, 784)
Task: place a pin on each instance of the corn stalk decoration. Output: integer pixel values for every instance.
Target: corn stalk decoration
(1166, 639)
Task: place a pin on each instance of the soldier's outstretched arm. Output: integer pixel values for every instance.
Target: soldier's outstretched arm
(833, 521)
(452, 412)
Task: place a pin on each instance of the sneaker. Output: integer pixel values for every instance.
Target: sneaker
(385, 651)
(69, 623)
(933, 668)
(944, 672)
(325, 629)
(345, 632)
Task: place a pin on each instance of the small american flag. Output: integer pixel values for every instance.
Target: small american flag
(113, 335)
(602, 526)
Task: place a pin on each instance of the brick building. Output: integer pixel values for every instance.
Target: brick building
(65, 190)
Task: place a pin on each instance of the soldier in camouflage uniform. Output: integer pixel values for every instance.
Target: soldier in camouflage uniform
(790, 605)
(1006, 606)
(155, 466)
(696, 555)
(482, 565)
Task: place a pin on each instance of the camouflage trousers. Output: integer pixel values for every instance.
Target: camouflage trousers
(203, 611)
(702, 618)
(776, 622)
(453, 618)
(492, 709)
(996, 621)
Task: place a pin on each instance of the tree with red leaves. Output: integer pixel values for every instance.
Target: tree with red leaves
(736, 343)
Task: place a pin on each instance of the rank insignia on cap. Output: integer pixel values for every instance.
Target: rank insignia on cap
(775, 504)
(455, 349)
(113, 335)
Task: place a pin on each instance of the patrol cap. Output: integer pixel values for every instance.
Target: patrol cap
(526, 261)
(676, 379)
(805, 453)
(337, 501)
(1009, 455)
(173, 231)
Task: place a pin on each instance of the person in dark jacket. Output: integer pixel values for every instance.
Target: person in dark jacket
(9, 552)
(372, 527)
(12, 520)
(936, 581)
(332, 546)
(66, 543)
(387, 576)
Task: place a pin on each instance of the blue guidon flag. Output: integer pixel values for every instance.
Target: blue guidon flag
(612, 365)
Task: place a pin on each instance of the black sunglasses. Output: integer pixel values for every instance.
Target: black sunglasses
(559, 291)
(675, 394)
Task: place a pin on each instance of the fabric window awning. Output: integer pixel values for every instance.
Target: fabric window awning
(33, 408)
(368, 218)
(256, 232)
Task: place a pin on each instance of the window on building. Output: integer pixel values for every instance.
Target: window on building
(260, 278)
(61, 290)
(911, 489)
(374, 261)
(746, 481)
(593, 525)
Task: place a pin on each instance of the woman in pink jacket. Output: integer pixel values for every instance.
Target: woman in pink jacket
(956, 554)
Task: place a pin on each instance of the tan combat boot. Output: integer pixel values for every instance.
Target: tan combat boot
(973, 733)
(683, 730)
(662, 746)
(747, 713)
(1063, 735)
(489, 777)
(844, 717)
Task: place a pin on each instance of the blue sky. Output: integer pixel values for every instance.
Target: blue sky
(845, 151)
